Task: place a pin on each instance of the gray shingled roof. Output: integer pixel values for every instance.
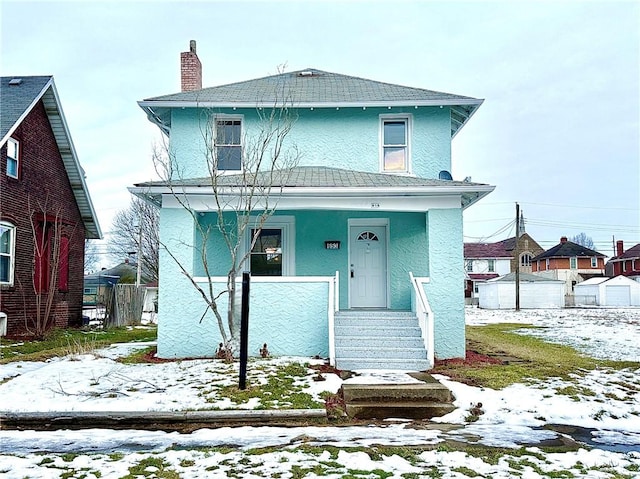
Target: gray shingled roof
(318, 177)
(16, 101)
(524, 278)
(310, 88)
(567, 249)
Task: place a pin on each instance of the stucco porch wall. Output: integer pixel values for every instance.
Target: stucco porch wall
(407, 249)
(289, 314)
(340, 138)
(445, 289)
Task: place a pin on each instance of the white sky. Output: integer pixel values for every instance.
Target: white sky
(558, 131)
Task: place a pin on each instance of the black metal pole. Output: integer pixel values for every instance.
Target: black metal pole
(244, 331)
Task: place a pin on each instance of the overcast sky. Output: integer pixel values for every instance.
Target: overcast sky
(558, 131)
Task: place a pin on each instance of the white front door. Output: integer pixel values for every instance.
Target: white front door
(368, 266)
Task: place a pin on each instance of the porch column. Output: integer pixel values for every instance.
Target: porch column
(445, 291)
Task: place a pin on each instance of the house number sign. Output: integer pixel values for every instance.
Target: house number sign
(332, 244)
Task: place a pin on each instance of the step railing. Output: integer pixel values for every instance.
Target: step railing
(332, 308)
(420, 306)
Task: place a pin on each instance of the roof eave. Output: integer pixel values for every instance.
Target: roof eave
(74, 171)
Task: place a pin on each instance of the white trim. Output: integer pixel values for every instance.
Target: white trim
(268, 279)
(407, 118)
(150, 104)
(12, 251)
(364, 222)
(422, 308)
(287, 224)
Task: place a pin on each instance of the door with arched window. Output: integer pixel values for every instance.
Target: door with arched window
(368, 266)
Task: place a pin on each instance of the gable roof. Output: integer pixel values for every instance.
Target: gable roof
(330, 180)
(631, 253)
(485, 250)
(18, 96)
(567, 249)
(310, 88)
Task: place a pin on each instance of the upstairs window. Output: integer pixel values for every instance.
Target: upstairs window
(395, 144)
(228, 144)
(7, 252)
(573, 262)
(468, 265)
(594, 262)
(492, 266)
(13, 157)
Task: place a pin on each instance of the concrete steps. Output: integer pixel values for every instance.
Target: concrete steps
(421, 400)
(379, 339)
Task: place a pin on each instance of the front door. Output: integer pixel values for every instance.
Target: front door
(368, 266)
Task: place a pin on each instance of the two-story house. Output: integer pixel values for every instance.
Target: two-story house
(570, 262)
(483, 261)
(365, 230)
(45, 211)
(626, 263)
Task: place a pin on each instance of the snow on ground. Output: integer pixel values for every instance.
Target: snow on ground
(606, 401)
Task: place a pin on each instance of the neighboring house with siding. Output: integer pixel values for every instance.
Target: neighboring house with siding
(626, 263)
(45, 208)
(482, 262)
(570, 262)
(364, 209)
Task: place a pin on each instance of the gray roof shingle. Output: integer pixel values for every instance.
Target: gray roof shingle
(315, 87)
(15, 100)
(316, 177)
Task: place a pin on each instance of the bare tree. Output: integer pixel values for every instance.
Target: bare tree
(583, 240)
(242, 203)
(135, 231)
(51, 243)
(91, 256)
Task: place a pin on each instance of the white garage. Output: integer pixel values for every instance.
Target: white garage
(615, 292)
(535, 292)
(621, 291)
(589, 292)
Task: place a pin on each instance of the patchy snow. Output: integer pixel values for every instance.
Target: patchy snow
(605, 403)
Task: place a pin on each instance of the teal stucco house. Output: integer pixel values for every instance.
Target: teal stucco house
(363, 262)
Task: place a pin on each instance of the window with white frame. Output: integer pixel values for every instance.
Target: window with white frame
(547, 264)
(573, 262)
(273, 252)
(594, 262)
(13, 157)
(492, 265)
(468, 265)
(394, 141)
(7, 252)
(525, 259)
(228, 143)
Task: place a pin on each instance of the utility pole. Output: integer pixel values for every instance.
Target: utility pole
(517, 257)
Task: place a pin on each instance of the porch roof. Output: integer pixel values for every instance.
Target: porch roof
(320, 181)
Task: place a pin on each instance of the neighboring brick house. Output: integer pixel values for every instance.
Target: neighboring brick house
(570, 262)
(45, 210)
(626, 263)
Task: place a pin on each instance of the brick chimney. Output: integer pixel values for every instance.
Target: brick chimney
(619, 247)
(190, 69)
(563, 239)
